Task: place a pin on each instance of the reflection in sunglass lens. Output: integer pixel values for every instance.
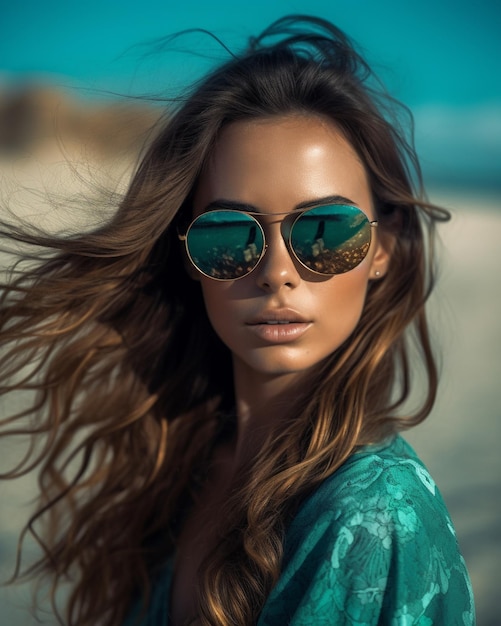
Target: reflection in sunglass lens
(331, 239)
(225, 244)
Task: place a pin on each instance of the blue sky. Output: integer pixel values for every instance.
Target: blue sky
(439, 57)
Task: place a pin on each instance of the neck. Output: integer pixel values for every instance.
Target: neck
(262, 402)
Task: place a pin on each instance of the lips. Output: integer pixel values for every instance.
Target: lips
(279, 325)
(279, 316)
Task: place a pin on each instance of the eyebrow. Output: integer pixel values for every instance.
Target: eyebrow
(233, 205)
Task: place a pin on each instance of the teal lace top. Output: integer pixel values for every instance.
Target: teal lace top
(372, 545)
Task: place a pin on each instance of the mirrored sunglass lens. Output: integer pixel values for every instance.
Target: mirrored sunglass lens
(225, 244)
(331, 239)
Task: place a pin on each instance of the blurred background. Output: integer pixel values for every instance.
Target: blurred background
(78, 90)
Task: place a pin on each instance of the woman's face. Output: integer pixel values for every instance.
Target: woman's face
(282, 318)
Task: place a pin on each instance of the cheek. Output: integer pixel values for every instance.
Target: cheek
(348, 292)
(342, 301)
(218, 305)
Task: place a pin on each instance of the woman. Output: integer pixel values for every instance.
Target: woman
(223, 368)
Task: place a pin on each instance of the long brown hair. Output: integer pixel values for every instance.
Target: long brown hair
(113, 337)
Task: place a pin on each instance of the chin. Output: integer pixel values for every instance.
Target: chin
(282, 366)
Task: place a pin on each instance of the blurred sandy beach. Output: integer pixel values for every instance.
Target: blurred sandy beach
(459, 441)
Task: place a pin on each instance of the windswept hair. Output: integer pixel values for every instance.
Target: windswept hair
(132, 388)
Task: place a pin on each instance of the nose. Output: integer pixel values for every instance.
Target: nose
(277, 268)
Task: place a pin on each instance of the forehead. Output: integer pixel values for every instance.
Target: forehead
(278, 163)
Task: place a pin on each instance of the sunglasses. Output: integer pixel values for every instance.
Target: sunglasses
(225, 244)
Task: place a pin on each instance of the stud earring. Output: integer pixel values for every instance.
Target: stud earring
(377, 273)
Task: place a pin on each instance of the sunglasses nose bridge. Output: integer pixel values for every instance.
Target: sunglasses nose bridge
(277, 229)
(278, 264)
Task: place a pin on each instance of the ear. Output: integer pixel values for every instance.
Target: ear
(385, 244)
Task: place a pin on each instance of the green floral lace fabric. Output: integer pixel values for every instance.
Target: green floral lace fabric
(373, 545)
